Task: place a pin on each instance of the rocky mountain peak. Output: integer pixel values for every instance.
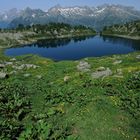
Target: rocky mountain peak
(97, 17)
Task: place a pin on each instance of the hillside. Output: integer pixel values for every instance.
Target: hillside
(29, 34)
(93, 98)
(128, 30)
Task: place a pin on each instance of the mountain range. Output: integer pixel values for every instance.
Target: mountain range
(97, 17)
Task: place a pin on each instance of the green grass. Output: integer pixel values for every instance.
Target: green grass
(80, 109)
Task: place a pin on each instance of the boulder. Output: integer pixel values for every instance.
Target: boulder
(3, 75)
(2, 66)
(99, 74)
(38, 76)
(83, 66)
(28, 66)
(117, 62)
(66, 78)
(18, 67)
(138, 57)
(8, 63)
(13, 59)
(27, 75)
(13, 72)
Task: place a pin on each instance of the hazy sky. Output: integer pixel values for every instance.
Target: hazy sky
(46, 4)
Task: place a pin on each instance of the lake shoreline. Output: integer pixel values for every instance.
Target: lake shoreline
(35, 39)
(75, 49)
(137, 38)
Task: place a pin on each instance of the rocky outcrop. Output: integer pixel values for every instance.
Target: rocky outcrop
(23, 66)
(27, 75)
(103, 73)
(66, 79)
(2, 66)
(138, 57)
(117, 62)
(83, 66)
(3, 75)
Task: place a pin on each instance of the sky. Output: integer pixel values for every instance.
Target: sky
(46, 4)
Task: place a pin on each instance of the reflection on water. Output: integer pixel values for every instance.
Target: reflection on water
(77, 47)
(53, 43)
(135, 44)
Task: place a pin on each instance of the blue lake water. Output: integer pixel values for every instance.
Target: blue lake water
(77, 48)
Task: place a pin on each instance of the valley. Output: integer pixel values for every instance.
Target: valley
(92, 95)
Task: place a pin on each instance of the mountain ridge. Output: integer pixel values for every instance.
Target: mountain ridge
(97, 17)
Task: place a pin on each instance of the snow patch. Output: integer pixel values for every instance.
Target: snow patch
(33, 15)
(5, 17)
(101, 10)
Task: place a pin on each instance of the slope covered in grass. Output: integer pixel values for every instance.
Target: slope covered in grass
(128, 30)
(45, 100)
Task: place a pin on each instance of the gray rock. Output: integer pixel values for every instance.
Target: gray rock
(83, 66)
(38, 76)
(2, 66)
(55, 32)
(138, 56)
(27, 75)
(117, 62)
(13, 72)
(8, 63)
(99, 74)
(18, 67)
(23, 66)
(66, 78)
(3, 75)
(13, 59)
(28, 66)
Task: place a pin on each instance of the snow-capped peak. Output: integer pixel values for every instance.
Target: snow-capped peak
(90, 16)
(101, 10)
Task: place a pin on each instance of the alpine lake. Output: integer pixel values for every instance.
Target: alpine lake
(77, 47)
